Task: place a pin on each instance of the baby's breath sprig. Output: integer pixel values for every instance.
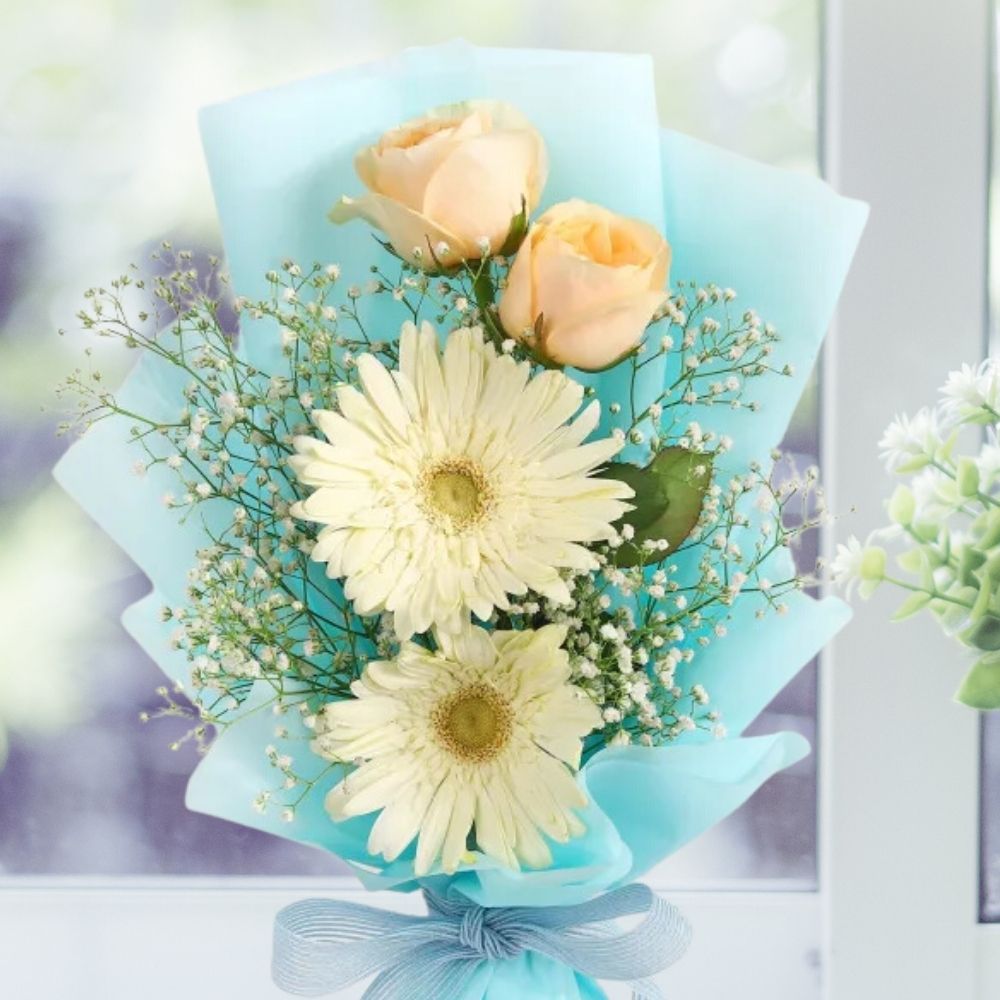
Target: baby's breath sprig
(713, 353)
(257, 609)
(175, 706)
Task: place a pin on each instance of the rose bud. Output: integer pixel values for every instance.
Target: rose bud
(584, 285)
(445, 186)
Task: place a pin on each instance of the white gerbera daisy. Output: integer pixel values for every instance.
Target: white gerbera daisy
(483, 735)
(455, 481)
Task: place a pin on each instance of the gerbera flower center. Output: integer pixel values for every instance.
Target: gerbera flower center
(475, 723)
(455, 493)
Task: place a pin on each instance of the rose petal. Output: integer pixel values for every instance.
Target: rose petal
(517, 312)
(592, 341)
(565, 282)
(402, 172)
(404, 228)
(478, 188)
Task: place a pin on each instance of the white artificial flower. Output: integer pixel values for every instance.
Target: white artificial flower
(455, 481)
(908, 442)
(857, 563)
(934, 495)
(846, 565)
(971, 389)
(988, 461)
(482, 737)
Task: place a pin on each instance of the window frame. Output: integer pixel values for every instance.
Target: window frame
(900, 761)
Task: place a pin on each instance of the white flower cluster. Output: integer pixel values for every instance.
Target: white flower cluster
(944, 521)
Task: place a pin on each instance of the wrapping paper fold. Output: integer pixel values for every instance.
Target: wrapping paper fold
(278, 161)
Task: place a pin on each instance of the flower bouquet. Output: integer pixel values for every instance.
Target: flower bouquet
(464, 535)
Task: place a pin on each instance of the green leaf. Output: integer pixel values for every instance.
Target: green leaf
(482, 288)
(981, 687)
(912, 560)
(948, 447)
(967, 476)
(984, 634)
(668, 499)
(990, 529)
(518, 230)
(982, 602)
(969, 560)
(915, 464)
(914, 603)
(927, 531)
(902, 505)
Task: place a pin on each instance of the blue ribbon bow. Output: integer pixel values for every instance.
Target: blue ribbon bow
(321, 946)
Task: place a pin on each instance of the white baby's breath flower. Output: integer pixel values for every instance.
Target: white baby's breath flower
(454, 482)
(481, 739)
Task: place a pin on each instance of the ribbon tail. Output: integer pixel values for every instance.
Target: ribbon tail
(586, 938)
(434, 973)
(646, 989)
(322, 946)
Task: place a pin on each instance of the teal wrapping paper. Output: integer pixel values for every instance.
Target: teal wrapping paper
(278, 160)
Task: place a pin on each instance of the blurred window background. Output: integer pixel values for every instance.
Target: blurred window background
(99, 162)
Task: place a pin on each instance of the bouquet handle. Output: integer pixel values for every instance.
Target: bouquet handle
(463, 951)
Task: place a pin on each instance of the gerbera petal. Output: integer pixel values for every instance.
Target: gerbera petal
(435, 826)
(531, 847)
(382, 392)
(399, 823)
(459, 825)
(583, 459)
(471, 646)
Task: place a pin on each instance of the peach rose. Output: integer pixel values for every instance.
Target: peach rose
(584, 285)
(454, 176)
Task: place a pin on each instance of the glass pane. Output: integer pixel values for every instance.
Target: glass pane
(99, 173)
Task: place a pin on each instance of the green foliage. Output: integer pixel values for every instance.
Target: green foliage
(985, 633)
(911, 606)
(967, 477)
(981, 687)
(669, 493)
(518, 230)
(902, 505)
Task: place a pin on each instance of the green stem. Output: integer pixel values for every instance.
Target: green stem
(935, 595)
(484, 291)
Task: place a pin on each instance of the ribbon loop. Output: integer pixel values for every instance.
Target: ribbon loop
(322, 946)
